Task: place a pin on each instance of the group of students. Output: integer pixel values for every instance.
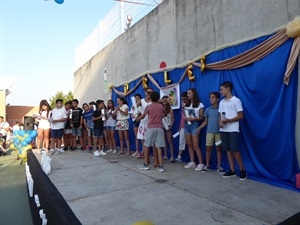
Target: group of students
(152, 118)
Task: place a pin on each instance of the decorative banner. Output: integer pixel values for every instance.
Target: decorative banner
(167, 81)
(174, 95)
(190, 72)
(144, 82)
(126, 88)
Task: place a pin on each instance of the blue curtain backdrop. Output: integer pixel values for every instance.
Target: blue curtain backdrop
(267, 140)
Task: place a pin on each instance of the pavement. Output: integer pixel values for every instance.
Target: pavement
(111, 190)
(14, 204)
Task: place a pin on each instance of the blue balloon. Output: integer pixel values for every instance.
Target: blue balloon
(28, 140)
(59, 1)
(16, 132)
(16, 141)
(24, 143)
(33, 134)
(22, 132)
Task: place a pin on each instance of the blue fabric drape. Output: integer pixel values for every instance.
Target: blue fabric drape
(267, 140)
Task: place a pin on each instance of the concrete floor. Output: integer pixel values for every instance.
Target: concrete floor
(111, 190)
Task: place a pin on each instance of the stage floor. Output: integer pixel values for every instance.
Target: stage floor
(111, 190)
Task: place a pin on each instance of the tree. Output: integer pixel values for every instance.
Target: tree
(61, 95)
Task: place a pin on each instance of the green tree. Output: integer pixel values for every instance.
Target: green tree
(65, 97)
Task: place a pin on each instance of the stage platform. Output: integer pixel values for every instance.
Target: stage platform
(111, 190)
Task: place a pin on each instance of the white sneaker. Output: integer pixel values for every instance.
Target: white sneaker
(51, 152)
(102, 152)
(96, 153)
(110, 150)
(115, 151)
(190, 165)
(199, 167)
(61, 150)
(57, 152)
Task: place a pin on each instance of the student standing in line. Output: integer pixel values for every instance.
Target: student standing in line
(193, 115)
(135, 113)
(111, 126)
(98, 128)
(89, 124)
(122, 125)
(76, 124)
(211, 120)
(57, 119)
(44, 126)
(231, 112)
(182, 140)
(67, 129)
(168, 122)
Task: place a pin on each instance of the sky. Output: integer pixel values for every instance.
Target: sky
(38, 39)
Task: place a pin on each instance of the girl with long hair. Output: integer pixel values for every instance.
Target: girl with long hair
(193, 115)
(122, 124)
(44, 126)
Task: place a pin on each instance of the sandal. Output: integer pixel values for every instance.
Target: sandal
(120, 153)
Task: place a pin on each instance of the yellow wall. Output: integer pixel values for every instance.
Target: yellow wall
(3, 103)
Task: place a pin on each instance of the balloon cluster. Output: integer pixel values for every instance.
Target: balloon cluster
(21, 142)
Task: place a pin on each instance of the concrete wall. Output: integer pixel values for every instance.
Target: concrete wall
(177, 31)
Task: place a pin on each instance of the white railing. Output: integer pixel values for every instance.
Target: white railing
(111, 26)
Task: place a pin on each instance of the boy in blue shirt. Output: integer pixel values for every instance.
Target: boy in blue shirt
(211, 115)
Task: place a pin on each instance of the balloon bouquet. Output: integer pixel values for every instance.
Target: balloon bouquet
(21, 142)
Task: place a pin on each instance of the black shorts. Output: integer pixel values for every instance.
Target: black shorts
(230, 141)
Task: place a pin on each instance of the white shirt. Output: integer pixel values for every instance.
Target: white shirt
(58, 114)
(121, 116)
(231, 108)
(2, 126)
(142, 108)
(44, 123)
(194, 112)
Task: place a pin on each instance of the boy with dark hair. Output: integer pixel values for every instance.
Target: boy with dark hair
(98, 128)
(57, 120)
(154, 136)
(76, 124)
(231, 112)
(211, 116)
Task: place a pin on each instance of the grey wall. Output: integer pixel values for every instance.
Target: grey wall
(178, 31)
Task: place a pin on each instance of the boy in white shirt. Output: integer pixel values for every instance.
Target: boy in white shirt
(57, 119)
(231, 112)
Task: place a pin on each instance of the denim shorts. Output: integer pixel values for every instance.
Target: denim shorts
(77, 132)
(98, 133)
(110, 127)
(57, 134)
(191, 129)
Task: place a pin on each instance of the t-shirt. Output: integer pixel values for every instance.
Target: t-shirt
(87, 116)
(121, 116)
(155, 114)
(231, 108)
(2, 126)
(98, 124)
(110, 122)
(76, 117)
(142, 109)
(44, 123)
(58, 114)
(194, 112)
(212, 115)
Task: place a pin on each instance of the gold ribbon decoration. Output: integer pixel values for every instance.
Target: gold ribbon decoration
(144, 82)
(167, 81)
(126, 88)
(202, 60)
(190, 72)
